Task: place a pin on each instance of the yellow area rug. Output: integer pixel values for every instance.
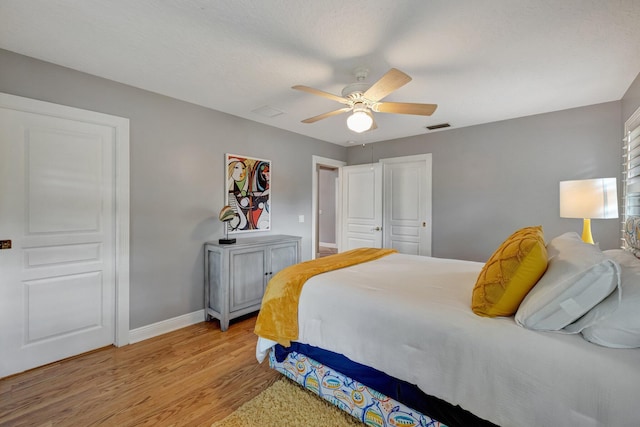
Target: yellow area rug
(285, 403)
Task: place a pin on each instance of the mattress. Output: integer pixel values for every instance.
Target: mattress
(410, 318)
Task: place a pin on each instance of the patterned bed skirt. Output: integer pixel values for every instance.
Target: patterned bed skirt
(364, 403)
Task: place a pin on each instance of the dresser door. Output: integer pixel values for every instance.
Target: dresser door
(282, 256)
(248, 277)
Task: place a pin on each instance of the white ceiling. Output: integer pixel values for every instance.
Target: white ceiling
(480, 61)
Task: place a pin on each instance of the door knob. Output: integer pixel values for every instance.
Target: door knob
(376, 229)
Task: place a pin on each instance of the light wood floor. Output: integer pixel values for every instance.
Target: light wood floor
(190, 377)
(326, 251)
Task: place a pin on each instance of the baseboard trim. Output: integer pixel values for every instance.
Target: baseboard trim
(155, 329)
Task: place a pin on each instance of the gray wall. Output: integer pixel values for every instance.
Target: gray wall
(177, 186)
(491, 179)
(631, 99)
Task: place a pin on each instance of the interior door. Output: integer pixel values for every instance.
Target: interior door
(407, 204)
(361, 206)
(57, 280)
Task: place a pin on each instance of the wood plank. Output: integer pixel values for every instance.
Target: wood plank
(189, 377)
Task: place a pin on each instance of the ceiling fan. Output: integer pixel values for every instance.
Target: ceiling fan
(363, 99)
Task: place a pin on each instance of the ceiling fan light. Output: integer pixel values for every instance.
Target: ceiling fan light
(359, 121)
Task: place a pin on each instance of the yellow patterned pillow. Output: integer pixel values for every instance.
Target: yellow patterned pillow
(511, 272)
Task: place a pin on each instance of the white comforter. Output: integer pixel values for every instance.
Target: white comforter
(410, 317)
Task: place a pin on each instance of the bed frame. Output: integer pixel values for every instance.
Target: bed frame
(369, 395)
(362, 402)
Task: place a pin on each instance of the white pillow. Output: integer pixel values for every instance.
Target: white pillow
(577, 278)
(615, 322)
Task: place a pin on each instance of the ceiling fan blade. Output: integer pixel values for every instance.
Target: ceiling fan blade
(325, 115)
(321, 93)
(394, 79)
(405, 108)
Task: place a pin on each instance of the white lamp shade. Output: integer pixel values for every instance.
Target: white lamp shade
(589, 198)
(359, 121)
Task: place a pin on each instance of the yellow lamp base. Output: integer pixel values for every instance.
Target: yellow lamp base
(586, 231)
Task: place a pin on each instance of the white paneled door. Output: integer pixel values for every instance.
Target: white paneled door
(361, 206)
(407, 204)
(387, 204)
(58, 210)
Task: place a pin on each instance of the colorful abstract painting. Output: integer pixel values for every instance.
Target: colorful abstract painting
(248, 193)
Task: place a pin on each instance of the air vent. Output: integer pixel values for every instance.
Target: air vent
(267, 111)
(440, 126)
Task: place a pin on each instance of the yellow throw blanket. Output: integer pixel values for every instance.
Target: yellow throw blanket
(278, 317)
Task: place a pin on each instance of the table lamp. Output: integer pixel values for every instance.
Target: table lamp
(226, 214)
(588, 199)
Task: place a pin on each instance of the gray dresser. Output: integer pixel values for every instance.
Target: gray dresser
(236, 275)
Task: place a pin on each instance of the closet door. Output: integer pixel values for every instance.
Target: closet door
(361, 206)
(407, 204)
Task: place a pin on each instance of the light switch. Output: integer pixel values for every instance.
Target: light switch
(300, 218)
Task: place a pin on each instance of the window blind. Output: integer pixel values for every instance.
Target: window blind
(631, 169)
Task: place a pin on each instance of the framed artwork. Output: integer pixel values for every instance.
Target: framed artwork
(248, 192)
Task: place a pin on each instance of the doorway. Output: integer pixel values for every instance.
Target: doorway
(327, 211)
(326, 167)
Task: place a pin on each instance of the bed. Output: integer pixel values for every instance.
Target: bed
(398, 341)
